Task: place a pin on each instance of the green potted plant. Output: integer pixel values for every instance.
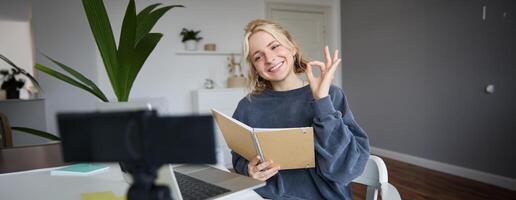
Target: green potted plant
(11, 84)
(190, 39)
(122, 63)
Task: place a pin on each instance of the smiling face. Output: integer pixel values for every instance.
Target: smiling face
(272, 60)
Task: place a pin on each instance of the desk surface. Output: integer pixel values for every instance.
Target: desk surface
(39, 184)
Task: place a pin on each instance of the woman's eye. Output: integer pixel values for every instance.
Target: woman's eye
(275, 46)
(257, 58)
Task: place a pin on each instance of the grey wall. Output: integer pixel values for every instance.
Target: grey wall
(415, 73)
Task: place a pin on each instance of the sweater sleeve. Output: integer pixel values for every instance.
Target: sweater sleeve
(239, 162)
(342, 147)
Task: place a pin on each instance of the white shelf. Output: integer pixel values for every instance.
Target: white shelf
(21, 100)
(214, 53)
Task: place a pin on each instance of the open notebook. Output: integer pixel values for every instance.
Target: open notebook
(290, 148)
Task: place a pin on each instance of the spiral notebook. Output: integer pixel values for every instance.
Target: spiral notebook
(290, 148)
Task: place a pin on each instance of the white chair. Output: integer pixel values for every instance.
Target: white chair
(376, 178)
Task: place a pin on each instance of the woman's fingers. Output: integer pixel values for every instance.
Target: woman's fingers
(331, 64)
(262, 171)
(254, 161)
(266, 174)
(320, 64)
(327, 56)
(252, 165)
(330, 74)
(309, 73)
(263, 165)
(335, 56)
(269, 173)
(333, 68)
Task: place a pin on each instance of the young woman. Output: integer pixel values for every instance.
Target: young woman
(280, 99)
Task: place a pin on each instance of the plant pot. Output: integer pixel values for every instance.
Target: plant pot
(12, 93)
(191, 45)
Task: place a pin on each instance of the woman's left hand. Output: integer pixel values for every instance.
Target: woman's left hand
(321, 85)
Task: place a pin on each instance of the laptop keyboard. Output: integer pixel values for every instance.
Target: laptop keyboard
(193, 189)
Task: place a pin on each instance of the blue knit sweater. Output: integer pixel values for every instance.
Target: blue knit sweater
(341, 146)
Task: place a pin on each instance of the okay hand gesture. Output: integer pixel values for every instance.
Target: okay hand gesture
(321, 85)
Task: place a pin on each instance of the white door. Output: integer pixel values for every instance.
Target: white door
(307, 24)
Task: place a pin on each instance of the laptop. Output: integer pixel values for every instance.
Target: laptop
(188, 182)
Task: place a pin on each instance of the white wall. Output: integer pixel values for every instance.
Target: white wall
(16, 44)
(16, 38)
(165, 76)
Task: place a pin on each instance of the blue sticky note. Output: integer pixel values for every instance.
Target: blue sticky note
(81, 169)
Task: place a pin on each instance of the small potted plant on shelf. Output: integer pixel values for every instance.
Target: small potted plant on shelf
(11, 84)
(190, 39)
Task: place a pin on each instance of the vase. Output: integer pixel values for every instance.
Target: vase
(237, 81)
(191, 45)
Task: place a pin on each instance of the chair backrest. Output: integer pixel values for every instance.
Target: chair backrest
(6, 138)
(374, 175)
(23, 158)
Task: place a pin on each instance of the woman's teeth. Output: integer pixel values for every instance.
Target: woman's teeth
(275, 68)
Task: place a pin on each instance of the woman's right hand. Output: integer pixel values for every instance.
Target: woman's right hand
(321, 85)
(261, 171)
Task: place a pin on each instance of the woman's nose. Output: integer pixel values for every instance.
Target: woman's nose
(269, 57)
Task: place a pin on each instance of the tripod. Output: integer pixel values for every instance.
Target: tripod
(143, 187)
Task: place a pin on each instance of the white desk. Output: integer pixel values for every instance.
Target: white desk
(38, 184)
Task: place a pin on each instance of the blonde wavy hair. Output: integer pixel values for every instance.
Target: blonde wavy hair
(256, 83)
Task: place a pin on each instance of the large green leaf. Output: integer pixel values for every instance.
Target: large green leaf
(80, 77)
(36, 133)
(103, 34)
(145, 23)
(125, 49)
(123, 63)
(142, 51)
(146, 11)
(69, 80)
